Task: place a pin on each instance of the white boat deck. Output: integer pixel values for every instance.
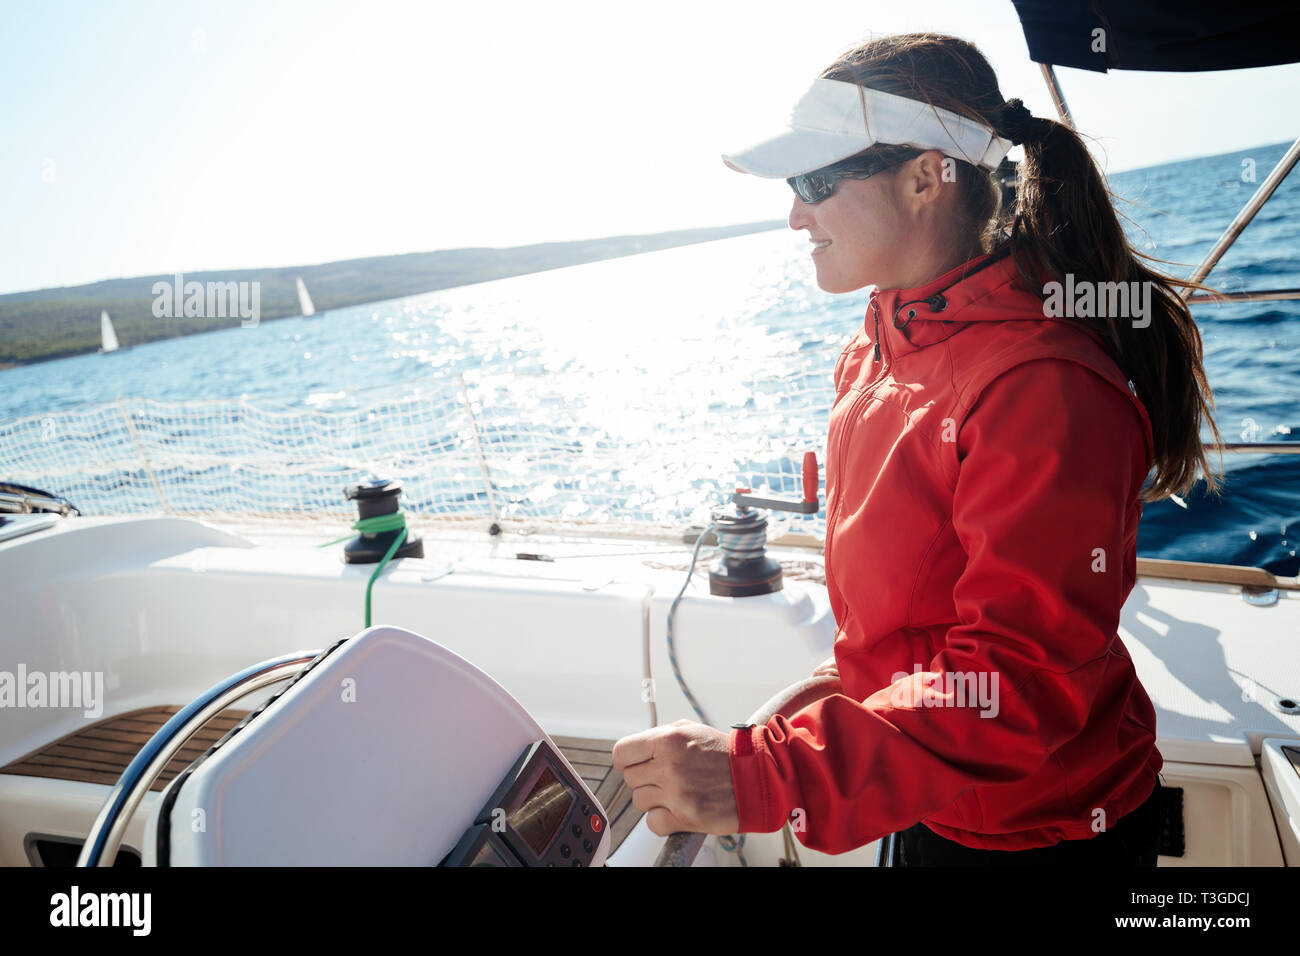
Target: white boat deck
(165, 607)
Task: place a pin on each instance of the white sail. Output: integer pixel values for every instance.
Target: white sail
(304, 299)
(106, 333)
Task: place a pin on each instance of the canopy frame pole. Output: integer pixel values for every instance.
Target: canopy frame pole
(1248, 211)
(1243, 218)
(1254, 295)
(1058, 97)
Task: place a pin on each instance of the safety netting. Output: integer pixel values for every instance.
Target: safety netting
(493, 446)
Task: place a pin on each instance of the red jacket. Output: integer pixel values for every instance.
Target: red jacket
(983, 491)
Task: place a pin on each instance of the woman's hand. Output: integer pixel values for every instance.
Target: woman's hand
(680, 775)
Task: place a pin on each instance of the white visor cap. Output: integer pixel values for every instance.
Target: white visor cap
(835, 120)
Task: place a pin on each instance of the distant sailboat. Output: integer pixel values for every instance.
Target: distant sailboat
(107, 336)
(304, 300)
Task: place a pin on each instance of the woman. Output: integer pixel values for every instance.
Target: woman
(995, 419)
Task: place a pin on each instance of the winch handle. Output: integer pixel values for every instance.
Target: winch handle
(808, 506)
(680, 849)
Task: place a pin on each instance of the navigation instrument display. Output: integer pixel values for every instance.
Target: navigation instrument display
(541, 814)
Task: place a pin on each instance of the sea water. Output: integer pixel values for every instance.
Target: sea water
(731, 344)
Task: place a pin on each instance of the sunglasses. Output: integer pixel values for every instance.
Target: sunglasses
(820, 183)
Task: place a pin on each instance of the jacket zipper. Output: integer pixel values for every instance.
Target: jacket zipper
(839, 466)
(853, 409)
(876, 309)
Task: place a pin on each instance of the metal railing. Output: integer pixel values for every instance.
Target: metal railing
(1235, 228)
(110, 825)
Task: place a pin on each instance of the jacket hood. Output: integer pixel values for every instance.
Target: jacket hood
(984, 289)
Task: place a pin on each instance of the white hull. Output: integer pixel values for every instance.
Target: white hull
(165, 607)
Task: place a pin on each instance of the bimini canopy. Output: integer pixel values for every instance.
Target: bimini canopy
(1160, 35)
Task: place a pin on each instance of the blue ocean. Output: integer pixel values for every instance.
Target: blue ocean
(644, 388)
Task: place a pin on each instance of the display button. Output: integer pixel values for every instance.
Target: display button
(565, 851)
(597, 823)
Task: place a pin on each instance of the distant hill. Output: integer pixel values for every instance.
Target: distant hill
(52, 323)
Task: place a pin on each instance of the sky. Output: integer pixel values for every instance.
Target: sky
(156, 137)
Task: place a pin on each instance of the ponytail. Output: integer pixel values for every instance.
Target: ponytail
(1064, 225)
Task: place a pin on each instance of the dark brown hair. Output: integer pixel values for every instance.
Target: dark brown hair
(1063, 222)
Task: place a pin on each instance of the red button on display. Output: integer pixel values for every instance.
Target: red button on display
(596, 823)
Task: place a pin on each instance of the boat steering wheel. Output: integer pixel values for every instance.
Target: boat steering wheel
(106, 834)
(681, 848)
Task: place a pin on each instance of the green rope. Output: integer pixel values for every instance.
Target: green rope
(379, 523)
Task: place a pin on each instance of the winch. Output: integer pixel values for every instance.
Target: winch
(742, 567)
(377, 499)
